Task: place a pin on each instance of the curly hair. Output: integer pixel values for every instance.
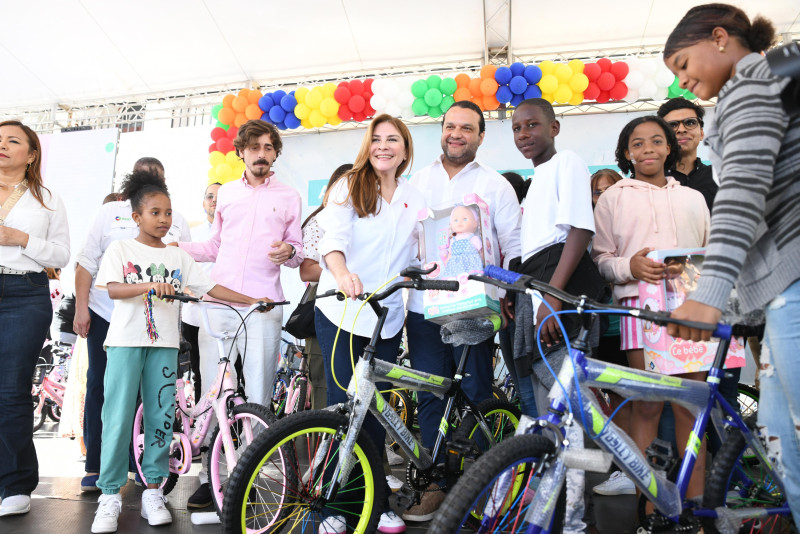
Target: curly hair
(141, 183)
(625, 164)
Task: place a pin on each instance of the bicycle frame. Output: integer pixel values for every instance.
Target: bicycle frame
(49, 389)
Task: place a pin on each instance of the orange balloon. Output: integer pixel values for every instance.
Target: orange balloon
(226, 115)
(240, 119)
(240, 104)
(227, 101)
(462, 93)
(487, 71)
(254, 96)
(253, 112)
(490, 103)
(488, 87)
(462, 80)
(479, 101)
(475, 86)
(244, 92)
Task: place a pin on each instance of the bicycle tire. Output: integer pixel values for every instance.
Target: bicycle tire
(38, 421)
(521, 457)
(297, 400)
(748, 400)
(53, 412)
(279, 392)
(242, 416)
(732, 471)
(169, 483)
(502, 416)
(300, 440)
(499, 394)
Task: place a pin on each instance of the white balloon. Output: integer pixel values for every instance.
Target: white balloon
(405, 83)
(407, 113)
(633, 63)
(648, 66)
(393, 109)
(634, 79)
(633, 95)
(377, 86)
(378, 102)
(664, 77)
(661, 93)
(405, 98)
(390, 89)
(647, 90)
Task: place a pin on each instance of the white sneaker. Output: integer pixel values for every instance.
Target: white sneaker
(107, 514)
(333, 525)
(394, 483)
(15, 505)
(393, 457)
(391, 523)
(153, 508)
(617, 484)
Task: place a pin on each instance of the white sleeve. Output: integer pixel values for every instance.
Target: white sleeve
(574, 187)
(506, 220)
(336, 221)
(53, 249)
(92, 252)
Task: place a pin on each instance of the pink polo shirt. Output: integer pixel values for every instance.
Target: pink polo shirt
(247, 221)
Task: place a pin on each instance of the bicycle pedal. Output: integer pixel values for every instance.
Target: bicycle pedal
(460, 447)
(594, 460)
(661, 455)
(407, 497)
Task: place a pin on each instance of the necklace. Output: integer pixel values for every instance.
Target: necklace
(9, 186)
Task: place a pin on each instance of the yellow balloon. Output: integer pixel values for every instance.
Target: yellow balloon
(317, 119)
(328, 89)
(301, 93)
(547, 67)
(212, 175)
(305, 123)
(548, 83)
(314, 98)
(302, 111)
(548, 97)
(223, 170)
(576, 66)
(576, 100)
(232, 159)
(578, 83)
(562, 94)
(335, 120)
(563, 73)
(329, 107)
(216, 157)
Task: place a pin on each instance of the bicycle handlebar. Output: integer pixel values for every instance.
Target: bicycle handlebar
(519, 283)
(260, 305)
(415, 282)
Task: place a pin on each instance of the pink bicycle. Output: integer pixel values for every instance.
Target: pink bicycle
(49, 385)
(239, 422)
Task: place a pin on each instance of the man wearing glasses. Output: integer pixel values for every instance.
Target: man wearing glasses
(686, 120)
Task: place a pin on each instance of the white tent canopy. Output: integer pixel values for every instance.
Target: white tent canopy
(60, 52)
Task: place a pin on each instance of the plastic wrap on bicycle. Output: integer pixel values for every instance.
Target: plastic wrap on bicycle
(411, 379)
(498, 273)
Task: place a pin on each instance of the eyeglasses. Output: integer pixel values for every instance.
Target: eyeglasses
(689, 124)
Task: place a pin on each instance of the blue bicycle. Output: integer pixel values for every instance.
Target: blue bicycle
(518, 485)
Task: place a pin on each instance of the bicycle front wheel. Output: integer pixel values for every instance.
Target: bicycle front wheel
(495, 494)
(247, 422)
(280, 481)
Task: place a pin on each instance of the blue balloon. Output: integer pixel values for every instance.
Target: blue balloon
(517, 100)
(503, 75)
(533, 91)
(288, 103)
(533, 74)
(291, 121)
(518, 84)
(277, 114)
(265, 117)
(265, 102)
(277, 95)
(281, 126)
(517, 69)
(504, 94)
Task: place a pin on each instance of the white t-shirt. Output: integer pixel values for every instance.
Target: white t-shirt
(131, 262)
(114, 222)
(560, 198)
(190, 314)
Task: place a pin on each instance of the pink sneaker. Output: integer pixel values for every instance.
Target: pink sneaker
(391, 523)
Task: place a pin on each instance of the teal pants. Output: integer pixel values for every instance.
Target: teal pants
(155, 368)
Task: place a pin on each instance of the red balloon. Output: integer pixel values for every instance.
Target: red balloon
(217, 133)
(212, 147)
(356, 87)
(342, 94)
(592, 71)
(345, 113)
(591, 92)
(368, 85)
(604, 64)
(224, 145)
(356, 103)
(620, 69)
(603, 97)
(367, 96)
(369, 111)
(619, 91)
(232, 132)
(606, 81)
(359, 117)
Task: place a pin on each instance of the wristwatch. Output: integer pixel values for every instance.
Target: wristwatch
(294, 251)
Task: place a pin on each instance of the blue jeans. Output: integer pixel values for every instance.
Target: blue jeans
(386, 350)
(93, 408)
(25, 316)
(779, 401)
(430, 354)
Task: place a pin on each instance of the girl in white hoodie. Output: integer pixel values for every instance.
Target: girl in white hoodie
(652, 211)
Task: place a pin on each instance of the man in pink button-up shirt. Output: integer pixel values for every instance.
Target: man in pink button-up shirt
(256, 230)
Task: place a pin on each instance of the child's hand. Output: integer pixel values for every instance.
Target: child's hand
(645, 269)
(162, 288)
(263, 300)
(550, 332)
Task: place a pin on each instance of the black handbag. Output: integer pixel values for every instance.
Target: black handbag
(301, 321)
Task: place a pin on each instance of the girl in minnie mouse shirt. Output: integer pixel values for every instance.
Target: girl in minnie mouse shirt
(142, 345)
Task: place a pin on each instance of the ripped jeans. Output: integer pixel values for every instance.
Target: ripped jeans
(779, 403)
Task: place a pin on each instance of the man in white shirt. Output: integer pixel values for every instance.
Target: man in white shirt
(93, 308)
(445, 182)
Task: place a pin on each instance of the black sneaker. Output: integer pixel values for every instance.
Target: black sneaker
(200, 498)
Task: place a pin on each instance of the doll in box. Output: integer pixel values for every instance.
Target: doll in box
(464, 248)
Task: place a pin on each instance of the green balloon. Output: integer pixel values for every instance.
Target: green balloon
(433, 97)
(434, 112)
(434, 81)
(419, 107)
(676, 91)
(419, 88)
(447, 101)
(215, 111)
(448, 86)
(225, 127)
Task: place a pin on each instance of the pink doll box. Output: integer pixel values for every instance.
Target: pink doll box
(458, 241)
(663, 353)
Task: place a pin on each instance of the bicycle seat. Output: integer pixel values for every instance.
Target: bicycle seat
(470, 331)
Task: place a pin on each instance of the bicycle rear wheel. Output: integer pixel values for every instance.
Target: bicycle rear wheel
(168, 484)
(501, 416)
(495, 494)
(739, 481)
(281, 479)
